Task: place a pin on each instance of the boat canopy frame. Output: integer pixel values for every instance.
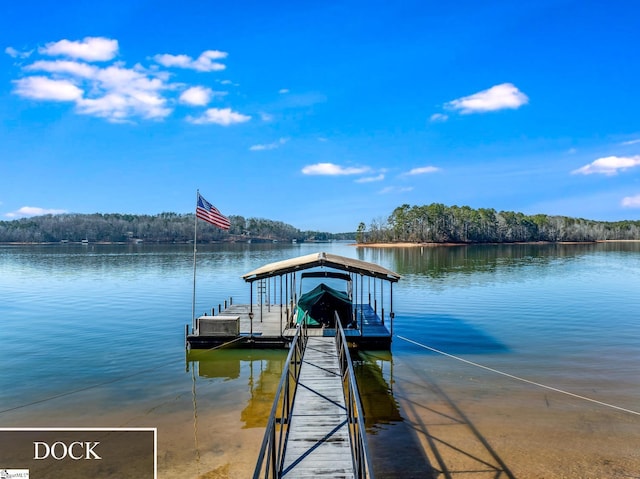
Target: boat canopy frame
(290, 269)
(314, 260)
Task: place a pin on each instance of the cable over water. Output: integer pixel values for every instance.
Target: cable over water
(551, 388)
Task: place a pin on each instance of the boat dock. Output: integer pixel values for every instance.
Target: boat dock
(270, 318)
(316, 425)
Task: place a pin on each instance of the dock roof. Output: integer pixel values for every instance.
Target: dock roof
(321, 259)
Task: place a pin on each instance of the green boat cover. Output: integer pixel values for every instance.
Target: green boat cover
(321, 302)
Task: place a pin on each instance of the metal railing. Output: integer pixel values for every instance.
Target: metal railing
(355, 415)
(271, 456)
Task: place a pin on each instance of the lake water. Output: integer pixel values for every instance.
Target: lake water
(93, 336)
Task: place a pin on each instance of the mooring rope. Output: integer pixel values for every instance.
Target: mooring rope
(551, 388)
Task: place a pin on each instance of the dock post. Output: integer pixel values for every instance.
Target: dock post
(391, 315)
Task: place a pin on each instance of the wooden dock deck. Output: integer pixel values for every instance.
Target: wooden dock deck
(269, 328)
(318, 443)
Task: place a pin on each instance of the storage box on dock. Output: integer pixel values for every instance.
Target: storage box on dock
(225, 326)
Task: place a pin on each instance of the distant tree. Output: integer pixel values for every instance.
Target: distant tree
(360, 232)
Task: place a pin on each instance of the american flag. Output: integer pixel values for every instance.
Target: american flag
(209, 213)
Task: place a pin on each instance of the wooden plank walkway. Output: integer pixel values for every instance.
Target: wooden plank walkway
(318, 444)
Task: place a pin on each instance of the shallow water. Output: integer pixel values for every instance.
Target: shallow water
(93, 336)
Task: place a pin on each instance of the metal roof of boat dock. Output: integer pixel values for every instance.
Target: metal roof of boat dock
(321, 259)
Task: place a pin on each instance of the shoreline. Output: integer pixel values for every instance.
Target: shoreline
(436, 245)
(402, 244)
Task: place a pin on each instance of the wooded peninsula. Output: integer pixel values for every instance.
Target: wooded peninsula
(437, 223)
(434, 223)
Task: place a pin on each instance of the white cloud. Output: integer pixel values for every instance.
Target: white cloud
(128, 80)
(331, 169)
(609, 165)
(196, 95)
(112, 106)
(34, 211)
(423, 170)
(498, 97)
(282, 91)
(119, 107)
(68, 67)
(630, 142)
(438, 118)
(123, 93)
(204, 63)
(371, 179)
(395, 189)
(168, 60)
(114, 91)
(219, 116)
(266, 117)
(631, 201)
(269, 146)
(90, 49)
(13, 53)
(43, 88)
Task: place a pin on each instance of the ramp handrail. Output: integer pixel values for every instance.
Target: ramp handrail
(355, 414)
(271, 456)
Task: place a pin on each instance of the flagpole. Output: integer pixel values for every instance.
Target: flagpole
(195, 249)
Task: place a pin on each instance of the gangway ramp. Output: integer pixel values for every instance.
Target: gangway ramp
(316, 426)
(318, 443)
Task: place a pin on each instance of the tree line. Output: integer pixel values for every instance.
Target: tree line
(438, 223)
(434, 223)
(160, 228)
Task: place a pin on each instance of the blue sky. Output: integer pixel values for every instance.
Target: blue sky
(320, 114)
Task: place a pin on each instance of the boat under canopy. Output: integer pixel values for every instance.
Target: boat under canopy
(317, 307)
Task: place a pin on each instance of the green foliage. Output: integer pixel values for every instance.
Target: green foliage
(165, 227)
(437, 223)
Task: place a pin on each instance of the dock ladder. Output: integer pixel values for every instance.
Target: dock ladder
(316, 427)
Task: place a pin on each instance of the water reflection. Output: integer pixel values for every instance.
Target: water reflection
(437, 262)
(375, 382)
(112, 258)
(261, 368)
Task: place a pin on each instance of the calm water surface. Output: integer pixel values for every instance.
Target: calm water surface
(93, 336)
